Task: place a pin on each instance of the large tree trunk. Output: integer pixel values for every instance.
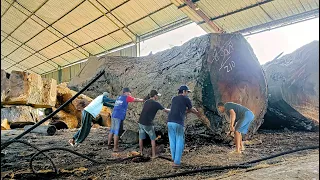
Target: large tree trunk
(49, 93)
(24, 88)
(293, 82)
(77, 105)
(69, 119)
(19, 114)
(217, 67)
(4, 85)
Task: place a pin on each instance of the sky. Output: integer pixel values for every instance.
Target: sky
(266, 45)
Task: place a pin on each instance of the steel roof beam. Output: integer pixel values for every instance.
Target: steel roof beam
(200, 13)
(31, 49)
(116, 18)
(237, 11)
(50, 25)
(56, 30)
(10, 5)
(74, 30)
(281, 22)
(110, 32)
(28, 17)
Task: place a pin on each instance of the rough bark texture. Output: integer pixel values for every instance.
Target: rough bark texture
(28, 89)
(293, 82)
(4, 85)
(49, 93)
(216, 67)
(18, 88)
(35, 89)
(19, 114)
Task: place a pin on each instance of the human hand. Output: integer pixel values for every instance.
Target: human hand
(232, 129)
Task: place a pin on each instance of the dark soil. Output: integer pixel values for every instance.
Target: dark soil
(199, 151)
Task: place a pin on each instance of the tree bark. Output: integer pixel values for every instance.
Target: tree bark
(49, 94)
(217, 67)
(4, 85)
(19, 114)
(293, 82)
(24, 88)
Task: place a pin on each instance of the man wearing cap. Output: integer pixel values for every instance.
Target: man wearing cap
(118, 115)
(88, 114)
(239, 115)
(179, 105)
(149, 111)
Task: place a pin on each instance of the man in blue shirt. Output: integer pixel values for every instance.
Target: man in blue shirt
(118, 115)
(88, 114)
(179, 106)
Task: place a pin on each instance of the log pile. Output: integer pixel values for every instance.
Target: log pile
(72, 113)
(293, 82)
(24, 88)
(22, 93)
(217, 67)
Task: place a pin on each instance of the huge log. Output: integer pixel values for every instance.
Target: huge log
(19, 114)
(217, 67)
(4, 85)
(29, 89)
(49, 94)
(18, 88)
(45, 130)
(293, 82)
(69, 119)
(77, 105)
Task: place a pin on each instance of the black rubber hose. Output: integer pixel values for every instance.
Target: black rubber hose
(4, 145)
(242, 165)
(35, 147)
(106, 161)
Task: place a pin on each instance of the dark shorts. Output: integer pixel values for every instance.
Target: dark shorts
(243, 124)
(143, 130)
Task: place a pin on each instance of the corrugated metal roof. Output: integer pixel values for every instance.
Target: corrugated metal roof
(39, 36)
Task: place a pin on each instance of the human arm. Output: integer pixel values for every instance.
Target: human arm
(232, 119)
(132, 99)
(108, 105)
(108, 100)
(166, 110)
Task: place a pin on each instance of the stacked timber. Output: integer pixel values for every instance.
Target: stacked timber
(293, 82)
(72, 113)
(19, 115)
(22, 93)
(4, 85)
(24, 88)
(217, 67)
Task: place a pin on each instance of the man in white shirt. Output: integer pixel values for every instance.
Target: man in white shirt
(88, 114)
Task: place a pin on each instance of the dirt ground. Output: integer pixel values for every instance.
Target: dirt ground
(198, 152)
